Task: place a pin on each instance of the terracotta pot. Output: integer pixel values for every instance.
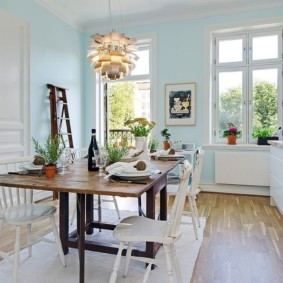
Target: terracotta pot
(50, 171)
(232, 139)
(166, 145)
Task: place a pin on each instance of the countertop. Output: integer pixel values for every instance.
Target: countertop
(276, 143)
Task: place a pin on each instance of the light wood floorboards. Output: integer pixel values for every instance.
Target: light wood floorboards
(243, 239)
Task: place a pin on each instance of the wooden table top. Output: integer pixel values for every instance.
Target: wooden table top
(80, 180)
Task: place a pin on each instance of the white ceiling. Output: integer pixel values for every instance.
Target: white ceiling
(88, 15)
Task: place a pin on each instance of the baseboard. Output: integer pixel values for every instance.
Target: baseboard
(235, 189)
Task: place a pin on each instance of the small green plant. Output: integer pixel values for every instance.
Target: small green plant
(165, 133)
(153, 144)
(262, 132)
(116, 152)
(51, 150)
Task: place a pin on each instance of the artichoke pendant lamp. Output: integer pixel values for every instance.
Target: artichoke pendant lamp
(112, 55)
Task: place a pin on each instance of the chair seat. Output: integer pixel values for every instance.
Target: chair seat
(25, 213)
(139, 229)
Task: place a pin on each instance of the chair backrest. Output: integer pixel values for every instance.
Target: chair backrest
(197, 171)
(14, 196)
(179, 202)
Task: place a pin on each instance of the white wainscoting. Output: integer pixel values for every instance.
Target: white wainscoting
(242, 168)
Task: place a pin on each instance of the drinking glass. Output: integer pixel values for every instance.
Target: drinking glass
(64, 160)
(100, 156)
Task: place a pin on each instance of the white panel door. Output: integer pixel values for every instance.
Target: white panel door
(14, 86)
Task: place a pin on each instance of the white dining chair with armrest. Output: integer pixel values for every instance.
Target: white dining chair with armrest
(193, 191)
(141, 229)
(17, 209)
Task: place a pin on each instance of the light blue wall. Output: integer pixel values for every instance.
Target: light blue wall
(58, 56)
(180, 58)
(56, 51)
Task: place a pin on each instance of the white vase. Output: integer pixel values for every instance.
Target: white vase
(141, 143)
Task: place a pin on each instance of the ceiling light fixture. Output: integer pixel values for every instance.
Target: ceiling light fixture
(111, 54)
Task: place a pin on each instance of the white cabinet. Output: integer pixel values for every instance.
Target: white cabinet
(276, 177)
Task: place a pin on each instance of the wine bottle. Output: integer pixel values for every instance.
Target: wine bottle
(92, 146)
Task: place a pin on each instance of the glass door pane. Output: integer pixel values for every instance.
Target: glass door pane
(230, 100)
(230, 49)
(265, 102)
(265, 47)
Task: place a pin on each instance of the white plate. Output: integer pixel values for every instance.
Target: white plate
(134, 176)
(134, 171)
(171, 156)
(32, 167)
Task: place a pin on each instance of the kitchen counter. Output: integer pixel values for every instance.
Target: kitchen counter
(276, 174)
(276, 143)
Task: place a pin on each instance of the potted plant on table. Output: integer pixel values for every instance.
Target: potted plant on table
(50, 152)
(231, 133)
(140, 128)
(263, 135)
(166, 135)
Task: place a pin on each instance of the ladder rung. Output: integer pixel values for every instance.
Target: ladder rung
(69, 134)
(63, 118)
(63, 103)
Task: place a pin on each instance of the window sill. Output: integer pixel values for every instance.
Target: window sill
(237, 147)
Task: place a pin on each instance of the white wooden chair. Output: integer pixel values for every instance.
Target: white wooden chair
(82, 153)
(142, 229)
(17, 209)
(193, 191)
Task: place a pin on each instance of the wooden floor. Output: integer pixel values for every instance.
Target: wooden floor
(243, 239)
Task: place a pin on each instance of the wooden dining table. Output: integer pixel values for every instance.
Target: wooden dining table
(85, 185)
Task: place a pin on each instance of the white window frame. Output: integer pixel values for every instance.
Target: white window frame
(210, 64)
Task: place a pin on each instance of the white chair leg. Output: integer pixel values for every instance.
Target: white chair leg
(57, 240)
(74, 215)
(193, 217)
(168, 263)
(196, 211)
(16, 254)
(147, 271)
(128, 258)
(176, 263)
(116, 207)
(29, 240)
(117, 263)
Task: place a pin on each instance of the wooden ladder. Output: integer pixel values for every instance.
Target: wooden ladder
(59, 114)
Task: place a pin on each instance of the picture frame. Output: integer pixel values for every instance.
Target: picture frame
(180, 104)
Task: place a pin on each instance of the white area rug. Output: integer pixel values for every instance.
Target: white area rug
(45, 267)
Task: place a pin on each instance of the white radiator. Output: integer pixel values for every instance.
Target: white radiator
(242, 168)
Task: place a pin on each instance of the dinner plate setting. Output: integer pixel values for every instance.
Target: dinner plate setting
(138, 175)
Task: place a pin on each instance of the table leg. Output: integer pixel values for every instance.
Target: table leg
(150, 213)
(89, 213)
(64, 220)
(163, 204)
(81, 205)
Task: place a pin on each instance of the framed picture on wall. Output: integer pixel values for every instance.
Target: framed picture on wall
(180, 104)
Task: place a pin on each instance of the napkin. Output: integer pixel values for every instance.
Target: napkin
(125, 167)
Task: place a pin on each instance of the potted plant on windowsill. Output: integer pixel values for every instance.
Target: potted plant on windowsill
(166, 135)
(231, 133)
(50, 152)
(263, 135)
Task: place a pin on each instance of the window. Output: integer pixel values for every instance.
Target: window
(247, 82)
(131, 97)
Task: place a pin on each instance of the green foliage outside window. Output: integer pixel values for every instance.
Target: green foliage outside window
(121, 99)
(264, 107)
